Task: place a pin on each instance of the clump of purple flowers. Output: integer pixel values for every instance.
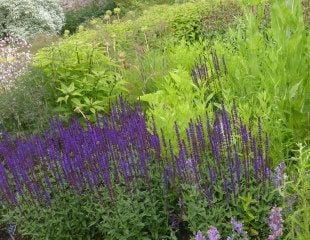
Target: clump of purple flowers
(239, 232)
(275, 223)
(213, 233)
(199, 236)
(120, 148)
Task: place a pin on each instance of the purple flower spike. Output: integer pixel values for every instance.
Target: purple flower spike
(213, 233)
(199, 236)
(275, 223)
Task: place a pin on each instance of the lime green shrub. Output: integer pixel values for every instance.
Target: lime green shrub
(177, 100)
(85, 79)
(146, 73)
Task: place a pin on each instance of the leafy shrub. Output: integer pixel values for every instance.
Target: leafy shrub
(85, 80)
(25, 18)
(138, 215)
(173, 21)
(185, 95)
(177, 100)
(75, 17)
(26, 107)
(251, 208)
(220, 19)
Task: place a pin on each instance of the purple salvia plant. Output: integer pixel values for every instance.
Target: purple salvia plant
(117, 148)
(120, 149)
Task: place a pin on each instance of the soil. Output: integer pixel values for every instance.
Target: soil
(5, 236)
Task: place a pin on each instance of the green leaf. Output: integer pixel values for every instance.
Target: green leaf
(63, 99)
(294, 90)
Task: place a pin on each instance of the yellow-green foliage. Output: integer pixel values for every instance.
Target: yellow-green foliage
(178, 100)
(178, 20)
(102, 42)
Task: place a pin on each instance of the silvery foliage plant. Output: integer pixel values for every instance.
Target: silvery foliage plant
(25, 18)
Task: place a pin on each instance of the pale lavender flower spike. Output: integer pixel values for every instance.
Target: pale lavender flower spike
(238, 228)
(213, 233)
(199, 236)
(275, 223)
(278, 178)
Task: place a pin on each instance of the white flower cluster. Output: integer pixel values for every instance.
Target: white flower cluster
(14, 58)
(25, 18)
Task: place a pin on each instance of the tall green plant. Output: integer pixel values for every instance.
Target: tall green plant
(268, 71)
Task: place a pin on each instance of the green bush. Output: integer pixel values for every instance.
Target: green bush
(139, 214)
(85, 79)
(146, 73)
(187, 20)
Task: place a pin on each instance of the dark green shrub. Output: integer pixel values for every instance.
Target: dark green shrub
(74, 18)
(139, 4)
(139, 214)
